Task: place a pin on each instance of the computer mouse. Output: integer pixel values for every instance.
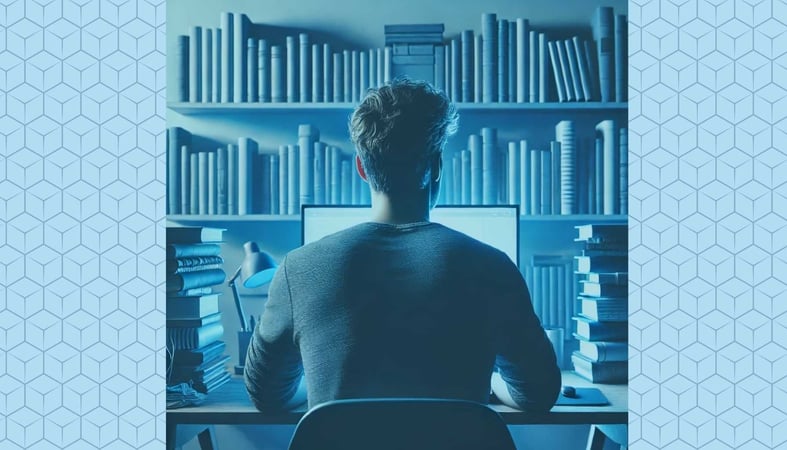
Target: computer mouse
(569, 392)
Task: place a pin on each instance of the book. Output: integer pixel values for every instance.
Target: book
(456, 184)
(338, 77)
(194, 322)
(208, 386)
(211, 188)
(346, 183)
(598, 174)
(621, 56)
(195, 64)
(543, 80)
(603, 33)
(202, 378)
(373, 68)
(327, 73)
(247, 150)
(606, 129)
(194, 307)
(380, 66)
(592, 289)
(185, 372)
(513, 181)
(598, 233)
(555, 151)
(347, 75)
(556, 71)
(416, 38)
(524, 177)
(587, 264)
(202, 183)
(489, 174)
(202, 278)
(456, 71)
(467, 177)
(522, 57)
(586, 188)
(546, 182)
(191, 250)
(304, 68)
(177, 138)
(363, 76)
(293, 180)
(355, 186)
(388, 66)
(565, 70)
(447, 61)
(273, 176)
(291, 58)
(573, 67)
(197, 356)
(227, 54)
(502, 60)
(533, 67)
(316, 75)
(239, 61)
(265, 181)
(591, 330)
(414, 28)
(489, 55)
(478, 49)
(232, 179)
(189, 338)
(590, 56)
(611, 372)
(603, 350)
(319, 173)
(308, 135)
(336, 175)
(193, 262)
(584, 68)
(284, 181)
(604, 309)
(221, 180)
(475, 149)
(185, 180)
(564, 134)
(355, 78)
(278, 81)
(207, 65)
(623, 146)
(264, 70)
(535, 181)
(194, 292)
(467, 65)
(252, 71)
(439, 68)
(512, 61)
(328, 169)
(620, 278)
(182, 69)
(194, 183)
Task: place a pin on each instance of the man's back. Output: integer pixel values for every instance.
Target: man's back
(415, 310)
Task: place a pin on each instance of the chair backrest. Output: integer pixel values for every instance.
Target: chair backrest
(401, 424)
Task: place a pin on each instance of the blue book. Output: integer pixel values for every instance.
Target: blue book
(212, 201)
(447, 182)
(177, 137)
(565, 135)
(185, 180)
(439, 68)
(355, 78)
(239, 60)
(380, 67)
(327, 73)
(338, 78)
(489, 156)
(573, 66)
(274, 199)
(363, 78)
(599, 174)
(447, 61)
(388, 66)
(227, 54)
(557, 71)
(502, 60)
(533, 72)
(535, 182)
(346, 189)
(373, 68)
(264, 180)
(202, 183)
(623, 142)
(232, 179)
(347, 77)
(606, 128)
(512, 61)
(543, 60)
(584, 69)
(590, 56)
(292, 69)
(308, 135)
(417, 28)
(336, 176)
(221, 180)
(568, 85)
(475, 147)
(457, 179)
(603, 33)
(522, 56)
(284, 177)
(467, 65)
(546, 182)
(466, 177)
(277, 75)
(478, 72)
(264, 76)
(366, 194)
(513, 173)
(355, 186)
(252, 67)
(305, 69)
(489, 55)
(319, 173)
(182, 69)
(317, 78)
(621, 56)
(555, 151)
(247, 151)
(191, 338)
(195, 64)
(456, 71)
(216, 64)
(524, 181)
(328, 151)
(293, 180)
(207, 65)
(537, 296)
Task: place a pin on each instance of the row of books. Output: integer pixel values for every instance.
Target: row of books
(570, 176)
(553, 286)
(195, 346)
(225, 64)
(244, 179)
(601, 325)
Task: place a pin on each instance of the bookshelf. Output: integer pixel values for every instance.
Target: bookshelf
(227, 218)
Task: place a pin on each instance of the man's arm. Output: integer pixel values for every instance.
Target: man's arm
(529, 377)
(273, 369)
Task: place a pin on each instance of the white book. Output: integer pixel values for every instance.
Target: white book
(373, 68)
(534, 61)
(363, 77)
(604, 350)
(388, 65)
(308, 135)
(247, 150)
(304, 68)
(475, 148)
(327, 73)
(202, 183)
(380, 67)
(584, 69)
(239, 61)
(489, 152)
(293, 180)
(568, 86)
(252, 67)
(195, 64)
(283, 180)
(557, 71)
(278, 82)
(221, 180)
(564, 133)
(232, 179)
(227, 54)
(608, 132)
(524, 178)
(293, 90)
(317, 77)
(264, 70)
(207, 65)
(212, 191)
(573, 67)
(347, 76)
(194, 183)
(513, 173)
(216, 64)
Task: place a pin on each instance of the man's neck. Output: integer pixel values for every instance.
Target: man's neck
(401, 209)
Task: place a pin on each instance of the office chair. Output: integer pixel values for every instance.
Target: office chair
(401, 424)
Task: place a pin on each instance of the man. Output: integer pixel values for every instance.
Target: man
(400, 307)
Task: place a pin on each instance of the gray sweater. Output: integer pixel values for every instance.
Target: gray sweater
(416, 310)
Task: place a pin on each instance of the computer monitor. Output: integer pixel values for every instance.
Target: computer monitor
(497, 226)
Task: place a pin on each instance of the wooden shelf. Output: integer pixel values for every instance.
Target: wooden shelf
(212, 108)
(189, 218)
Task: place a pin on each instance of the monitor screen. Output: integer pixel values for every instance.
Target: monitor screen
(497, 226)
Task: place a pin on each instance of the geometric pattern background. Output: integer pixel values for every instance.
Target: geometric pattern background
(82, 171)
(708, 225)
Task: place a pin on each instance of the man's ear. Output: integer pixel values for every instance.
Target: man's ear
(359, 168)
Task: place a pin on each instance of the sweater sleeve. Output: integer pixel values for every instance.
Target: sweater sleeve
(273, 366)
(525, 357)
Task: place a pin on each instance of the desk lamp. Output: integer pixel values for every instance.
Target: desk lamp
(256, 270)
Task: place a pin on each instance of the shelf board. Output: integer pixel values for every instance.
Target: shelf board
(188, 218)
(212, 108)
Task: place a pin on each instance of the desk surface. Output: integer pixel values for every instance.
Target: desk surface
(230, 405)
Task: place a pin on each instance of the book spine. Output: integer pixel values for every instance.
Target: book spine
(447, 182)
(489, 151)
(573, 66)
(221, 180)
(387, 65)
(456, 71)
(355, 185)
(524, 178)
(232, 179)
(475, 148)
(456, 181)
(599, 174)
(623, 142)
(605, 47)
(478, 72)
(546, 182)
(308, 135)
(293, 180)
(533, 69)
(292, 69)
(555, 151)
(568, 86)
(347, 76)
(501, 175)
(590, 56)
(264, 181)
(621, 54)
(305, 69)
(522, 56)
(355, 79)
(606, 128)
(283, 180)
(338, 78)
(564, 132)
(346, 197)
(363, 80)
(563, 320)
(512, 61)
(502, 60)
(185, 180)
(535, 182)
(327, 73)
(274, 184)
(264, 71)
(336, 176)
(439, 68)
(227, 54)
(195, 64)
(212, 185)
(554, 320)
(537, 297)
(543, 79)
(447, 76)
(216, 65)
(380, 67)
(175, 139)
(556, 71)
(202, 183)
(317, 77)
(182, 69)
(466, 177)
(489, 55)
(252, 67)
(207, 65)
(247, 149)
(584, 71)
(319, 173)
(328, 172)
(277, 75)
(513, 173)
(239, 61)
(467, 65)
(373, 68)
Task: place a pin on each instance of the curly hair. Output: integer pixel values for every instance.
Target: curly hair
(398, 129)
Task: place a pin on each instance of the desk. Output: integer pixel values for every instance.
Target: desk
(230, 405)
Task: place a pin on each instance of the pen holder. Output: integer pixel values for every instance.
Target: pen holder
(557, 337)
(243, 346)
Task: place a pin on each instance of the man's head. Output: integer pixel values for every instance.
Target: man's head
(399, 131)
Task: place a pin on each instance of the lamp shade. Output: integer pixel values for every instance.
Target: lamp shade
(257, 267)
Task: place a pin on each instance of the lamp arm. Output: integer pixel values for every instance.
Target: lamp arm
(238, 305)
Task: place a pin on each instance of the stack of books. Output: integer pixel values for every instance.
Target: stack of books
(195, 350)
(603, 312)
